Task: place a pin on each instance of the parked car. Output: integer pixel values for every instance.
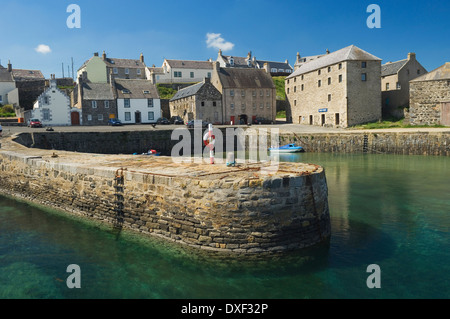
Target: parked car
(176, 120)
(261, 120)
(163, 121)
(191, 123)
(114, 122)
(34, 123)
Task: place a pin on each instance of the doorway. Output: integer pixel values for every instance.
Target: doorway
(75, 118)
(323, 120)
(137, 117)
(243, 119)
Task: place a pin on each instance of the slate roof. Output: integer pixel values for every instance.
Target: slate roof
(136, 89)
(188, 91)
(5, 76)
(23, 75)
(239, 62)
(277, 65)
(441, 73)
(97, 91)
(350, 53)
(245, 78)
(124, 63)
(392, 67)
(186, 64)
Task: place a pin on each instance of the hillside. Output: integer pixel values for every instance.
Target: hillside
(279, 83)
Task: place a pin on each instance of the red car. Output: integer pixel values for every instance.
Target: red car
(34, 123)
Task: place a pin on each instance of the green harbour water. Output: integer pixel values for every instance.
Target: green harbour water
(389, 210)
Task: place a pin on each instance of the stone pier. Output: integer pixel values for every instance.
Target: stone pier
(239, 210)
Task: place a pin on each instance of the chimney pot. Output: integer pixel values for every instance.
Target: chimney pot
(9, 66)
(142, 58)
(411, 56)
(104, 56)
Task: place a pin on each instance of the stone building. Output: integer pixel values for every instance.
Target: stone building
(248, 94)
(98, 68)
(302, 60)
(201, 101)
(430, 98)
(6, 83)
(339, 89)
(96, 100)
(395, 77)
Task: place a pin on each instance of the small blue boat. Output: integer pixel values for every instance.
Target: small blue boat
(289, 148)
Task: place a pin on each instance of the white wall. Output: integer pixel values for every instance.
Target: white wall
(58, 107)
(5, 88)
(140, 105)
(199, 75)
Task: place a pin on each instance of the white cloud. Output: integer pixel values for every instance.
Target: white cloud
(43, 48)
(214, 40)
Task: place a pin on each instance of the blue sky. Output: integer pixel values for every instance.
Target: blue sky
(272, 30)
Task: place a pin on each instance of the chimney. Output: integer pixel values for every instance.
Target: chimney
(96, 54)
(104, 56)
(80, 90)
(216, 67)
(84, 75)
(411, 56)
(220, 52)
(112, 81)
(266, 67)
(249, 55)
(328, 51)
(298, 58)
(287, 62)
(141, 58)
(9, 66)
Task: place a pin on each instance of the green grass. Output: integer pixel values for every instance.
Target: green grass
(7, 114)
(391, 124)
(165, 92)
(279, 84)
(281, 115)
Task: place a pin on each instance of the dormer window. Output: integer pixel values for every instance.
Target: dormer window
(126, 91)
(231, 61)
(146, 92)
(249, 63)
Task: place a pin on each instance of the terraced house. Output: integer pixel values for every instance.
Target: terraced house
(339, 89)
(180, 71)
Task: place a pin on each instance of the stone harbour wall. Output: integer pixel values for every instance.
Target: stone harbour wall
(231, 210)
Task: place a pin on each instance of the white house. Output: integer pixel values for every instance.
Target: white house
(138, 101)
(53, 106)
(180, 71)
(7, 83)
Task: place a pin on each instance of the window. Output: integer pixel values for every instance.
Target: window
(89, 117)
(329, 69)
(261, 105)
(127, 116)
(268, 105)
(138, 71)
(261, 93)
(363, 77)
(318, 72)
(1, 99)
(127, 71)
(387, 86)
(231, 61)
(46, 100)
(126, 103)
(340, 78)
(209, 74)
(295, 89)
(418, 71)
(295, 80)
(106, 103)
(340, 66)
(329, 81)
(363, 65)
(46, 115)
(295, 102)
(242, 93)
(203, 103)
(287, 90)
(273, 70)
(192, 75)
(303, 87)
(214, 103)
(254, 93)
(231, 92)
(288, 81)
(407, 71)
(268, 93)
(329, 97)
(336, 118)
(177, 74)
(399, 86)
(151, 116)
(243, 106)
(115, 71)
(149, 102)
(232, 106)
(319, 83)
(100, 117)
(303, 77)
(94, 104)
(254, 105)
